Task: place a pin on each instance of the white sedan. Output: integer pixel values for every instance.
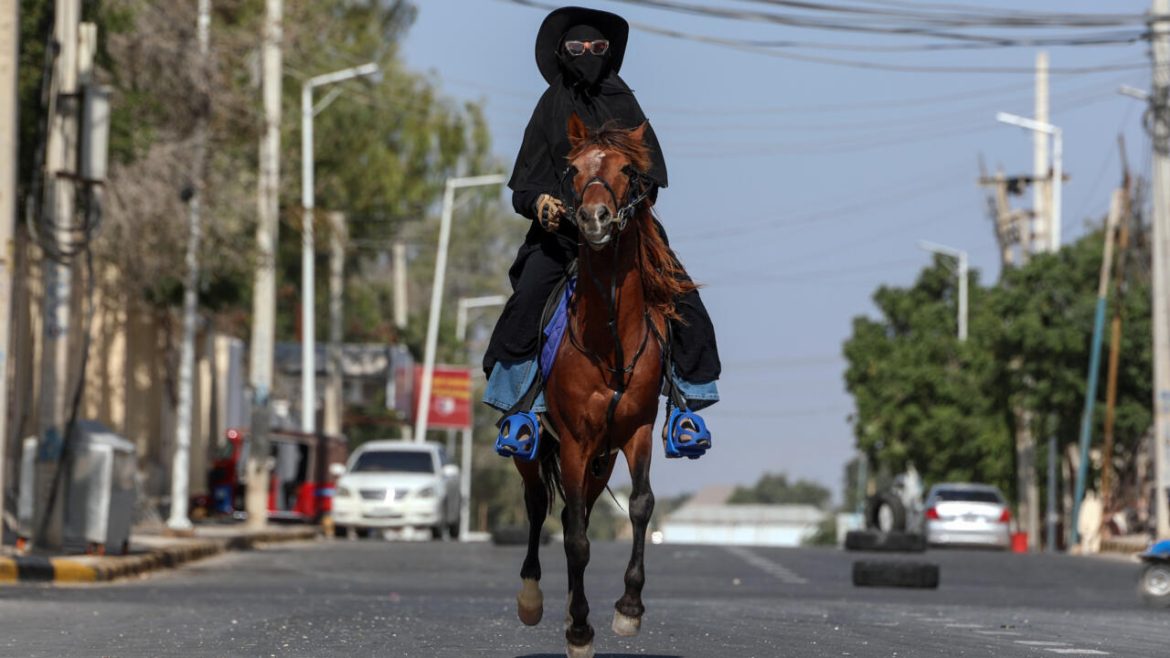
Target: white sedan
(397, 484)
(963, 514)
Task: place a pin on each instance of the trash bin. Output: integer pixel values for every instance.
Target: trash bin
(101, 496)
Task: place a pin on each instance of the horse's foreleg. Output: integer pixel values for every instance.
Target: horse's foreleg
(627, 617)
(530, 600)
(575, 518)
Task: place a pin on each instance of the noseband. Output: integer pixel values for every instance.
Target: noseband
(637, 192)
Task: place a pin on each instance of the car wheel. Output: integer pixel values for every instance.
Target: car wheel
(437, 532)
(1155, 585)
(340, 531)
(453, 530)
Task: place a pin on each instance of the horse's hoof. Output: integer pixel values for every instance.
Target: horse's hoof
(530, 603)
(574, 651)
(626, 626)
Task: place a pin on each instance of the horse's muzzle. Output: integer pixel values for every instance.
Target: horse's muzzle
(596, 223)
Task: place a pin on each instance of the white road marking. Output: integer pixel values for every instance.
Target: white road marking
(999, 633)
(769, 567)
(1079, 652)
(1037, 643)
(964, 625)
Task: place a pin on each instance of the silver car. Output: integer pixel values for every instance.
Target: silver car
(963, 514)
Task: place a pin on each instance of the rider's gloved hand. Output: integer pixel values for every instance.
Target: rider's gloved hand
(549, 211)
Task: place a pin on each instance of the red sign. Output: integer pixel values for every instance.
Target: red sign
(450, 397)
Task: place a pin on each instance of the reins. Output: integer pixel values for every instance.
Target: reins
(620, 372)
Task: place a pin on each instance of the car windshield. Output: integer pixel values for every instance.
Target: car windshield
(390, 461)
(967, 496)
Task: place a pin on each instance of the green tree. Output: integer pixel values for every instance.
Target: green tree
(775, 489)
(923, 397)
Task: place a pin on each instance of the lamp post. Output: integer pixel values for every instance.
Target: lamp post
(424, 407)
(308, 317)
(961, 256)
(465, 304)
(1057, 167)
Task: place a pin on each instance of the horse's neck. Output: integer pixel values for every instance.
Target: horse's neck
(594, 309)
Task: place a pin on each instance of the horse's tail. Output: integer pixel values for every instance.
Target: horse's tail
(550, 469)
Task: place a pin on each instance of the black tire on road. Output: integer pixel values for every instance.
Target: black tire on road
(873, 508)
(1154, 585)
(894, 542)
(886, 573)
(437, 532)
(453, 530)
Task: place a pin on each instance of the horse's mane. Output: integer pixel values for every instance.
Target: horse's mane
(663, 277)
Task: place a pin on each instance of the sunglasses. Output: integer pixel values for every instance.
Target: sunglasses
(578, 48)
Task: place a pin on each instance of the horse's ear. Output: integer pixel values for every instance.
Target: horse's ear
(640, 132)
(577, 130)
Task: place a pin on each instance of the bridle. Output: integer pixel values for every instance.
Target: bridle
(638, 191)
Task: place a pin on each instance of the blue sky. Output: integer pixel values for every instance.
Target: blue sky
(797, 188)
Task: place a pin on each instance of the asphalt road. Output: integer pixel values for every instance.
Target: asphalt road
(447, 599)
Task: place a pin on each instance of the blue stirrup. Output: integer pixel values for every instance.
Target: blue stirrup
(685, 435)
(519, 436)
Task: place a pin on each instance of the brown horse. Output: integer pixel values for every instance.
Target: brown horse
(602, 393)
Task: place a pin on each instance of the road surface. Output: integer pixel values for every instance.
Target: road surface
(447, 599)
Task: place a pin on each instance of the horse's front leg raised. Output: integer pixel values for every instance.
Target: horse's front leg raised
(627, 616)
(530, 600)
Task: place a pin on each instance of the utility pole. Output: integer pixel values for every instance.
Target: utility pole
(60, 210)
(400, 284)
(1115, 209)
(1040, 237)
(1027, 487)
(9, 144)
(1160, 134)
(1115, 337)
(264, 289)
(337, 239)
(180, 463)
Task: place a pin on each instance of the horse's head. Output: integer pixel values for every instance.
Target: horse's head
(609, 178)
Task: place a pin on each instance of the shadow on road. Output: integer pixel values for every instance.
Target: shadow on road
(604, 656)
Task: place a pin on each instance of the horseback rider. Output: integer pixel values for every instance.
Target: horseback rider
(579, 52)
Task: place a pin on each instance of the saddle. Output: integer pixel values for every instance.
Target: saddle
(684, 434)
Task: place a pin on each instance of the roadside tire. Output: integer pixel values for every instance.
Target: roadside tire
(885, 512)
(894, 542)
(1154, 585)
(917, 575)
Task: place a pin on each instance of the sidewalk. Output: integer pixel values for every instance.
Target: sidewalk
(149, 551)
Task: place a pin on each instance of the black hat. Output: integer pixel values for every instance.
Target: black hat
(548, 39)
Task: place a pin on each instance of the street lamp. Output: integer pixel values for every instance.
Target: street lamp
(308, 317)
(961, 256)
(1057, 166)
(424, 406)
(467, 303)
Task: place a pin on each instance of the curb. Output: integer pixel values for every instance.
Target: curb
(40, 569)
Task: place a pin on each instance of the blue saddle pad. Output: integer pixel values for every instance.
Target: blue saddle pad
(554, 331)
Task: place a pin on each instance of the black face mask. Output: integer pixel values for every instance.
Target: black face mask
(587, 69)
